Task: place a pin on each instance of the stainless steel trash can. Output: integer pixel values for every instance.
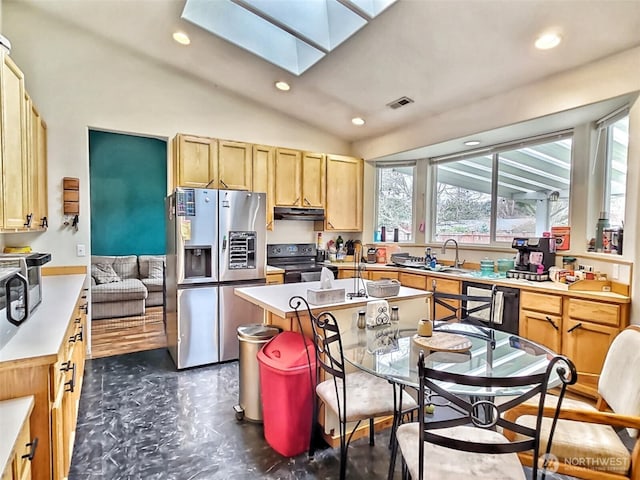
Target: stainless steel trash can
(251, 338)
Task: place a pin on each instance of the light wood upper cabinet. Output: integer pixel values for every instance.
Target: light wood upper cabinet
(15, 195)
(313, 180)
(36, 167)
(234, 165)
(344, 194)
(288, 178)
(262, 178)
(195, 161)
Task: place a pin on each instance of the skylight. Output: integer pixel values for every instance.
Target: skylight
(292, 34)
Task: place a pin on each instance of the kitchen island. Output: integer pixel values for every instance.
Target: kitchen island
(412, 303)
(274, 299)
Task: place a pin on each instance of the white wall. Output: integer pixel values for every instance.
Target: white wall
(79, 81)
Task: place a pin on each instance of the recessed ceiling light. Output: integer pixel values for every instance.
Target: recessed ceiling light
(357, 121)
(284, 86)
(547, 41)
(182, 38)
(472, 143)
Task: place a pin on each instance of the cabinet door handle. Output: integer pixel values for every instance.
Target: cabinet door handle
(65, 366)
(307, 202)
(71, 384)
(579, 325)
(28, 221)
(85, 307)
(329, 224)
(269, 224)
(32, 453)
(79, 334)
(78, 320)
(72, 339)
(224, 184)
(553, 324)
(44, 222)
(295, 202)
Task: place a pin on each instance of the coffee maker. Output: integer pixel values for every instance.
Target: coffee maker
(534, 258)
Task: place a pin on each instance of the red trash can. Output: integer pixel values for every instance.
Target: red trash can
(287, 387)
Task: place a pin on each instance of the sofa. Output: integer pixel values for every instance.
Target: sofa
(123, 286)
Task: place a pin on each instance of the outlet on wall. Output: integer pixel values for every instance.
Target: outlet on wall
(80, 250)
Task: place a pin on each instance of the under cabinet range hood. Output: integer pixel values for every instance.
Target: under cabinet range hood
(297, 213)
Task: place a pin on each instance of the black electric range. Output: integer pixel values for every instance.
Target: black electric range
(298, 260)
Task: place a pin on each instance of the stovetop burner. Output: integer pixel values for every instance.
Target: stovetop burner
(295, 259)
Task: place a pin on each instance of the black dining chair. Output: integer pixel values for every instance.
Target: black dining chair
(352, 397)
(471, 444)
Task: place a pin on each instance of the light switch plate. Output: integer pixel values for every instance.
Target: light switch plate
(80, 250)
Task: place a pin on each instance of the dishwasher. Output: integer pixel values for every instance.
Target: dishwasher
(509, 320)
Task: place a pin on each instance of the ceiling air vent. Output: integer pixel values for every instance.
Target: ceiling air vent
(401, 102)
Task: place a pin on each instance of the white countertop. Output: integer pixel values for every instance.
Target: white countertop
(275, 298)
(42, 333)
(12, 416)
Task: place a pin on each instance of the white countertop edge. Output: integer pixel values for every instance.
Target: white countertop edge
(12, 416)
(42, 333)
(275, 298)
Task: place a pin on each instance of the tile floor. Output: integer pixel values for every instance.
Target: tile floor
(141, 419)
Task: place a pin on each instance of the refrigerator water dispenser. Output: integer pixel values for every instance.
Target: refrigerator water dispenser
(197, 262)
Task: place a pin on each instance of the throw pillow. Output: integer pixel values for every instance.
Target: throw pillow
(156, 268)
(104, 273)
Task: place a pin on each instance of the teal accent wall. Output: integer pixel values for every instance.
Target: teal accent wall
(128, 177)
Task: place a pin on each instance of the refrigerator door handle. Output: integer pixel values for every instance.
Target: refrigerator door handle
(224, 242)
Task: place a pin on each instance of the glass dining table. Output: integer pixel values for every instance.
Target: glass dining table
(392, 353)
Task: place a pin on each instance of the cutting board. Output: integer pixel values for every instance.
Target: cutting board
(443, 342)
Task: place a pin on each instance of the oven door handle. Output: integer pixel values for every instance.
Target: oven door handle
(25, 305)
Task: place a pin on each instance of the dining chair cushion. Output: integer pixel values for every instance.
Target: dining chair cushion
(617, 384)
(367, 396)
(591, 445)
(441, 463)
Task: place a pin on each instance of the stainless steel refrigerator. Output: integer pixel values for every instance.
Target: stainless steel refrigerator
(216, 241)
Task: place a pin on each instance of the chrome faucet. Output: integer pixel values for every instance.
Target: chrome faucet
(456, 263)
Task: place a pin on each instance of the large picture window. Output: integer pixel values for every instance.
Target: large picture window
(616, 170)
(505, 192)
(395, 202)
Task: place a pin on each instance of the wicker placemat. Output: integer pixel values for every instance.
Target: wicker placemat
(444, 342)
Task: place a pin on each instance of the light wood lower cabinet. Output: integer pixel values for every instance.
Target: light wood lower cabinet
(275, 278)
(24, 449)
(580, 329)
(413, 280)
(55, 385)
(444, 285)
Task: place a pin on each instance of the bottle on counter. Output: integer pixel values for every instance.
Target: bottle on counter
(362, 321)
(383, 234)
(319, 245)
(339, 242)
(603, 222)
(396, 235)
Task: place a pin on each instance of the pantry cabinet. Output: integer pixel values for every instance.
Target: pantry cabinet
(344, 194)
(262, 178)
